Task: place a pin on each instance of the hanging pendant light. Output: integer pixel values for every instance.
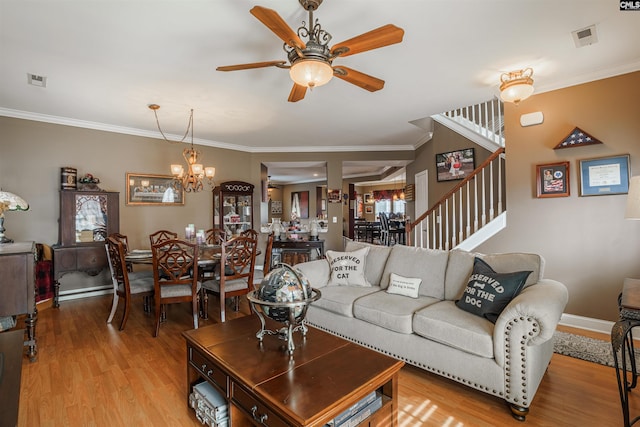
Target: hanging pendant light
(192, 177)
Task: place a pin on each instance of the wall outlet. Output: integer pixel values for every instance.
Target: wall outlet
(334, 219)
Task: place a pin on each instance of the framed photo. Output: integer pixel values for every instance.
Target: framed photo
(552, 180)
(276, 206)
(368, 209)
(158, 190)
(604, 175)
(335, 196)
(368, 198)
(299, 204)
(454, 165)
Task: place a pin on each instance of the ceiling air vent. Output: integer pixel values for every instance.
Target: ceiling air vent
(36, 80)
(585, 36)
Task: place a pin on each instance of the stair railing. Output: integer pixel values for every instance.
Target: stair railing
(464, 210)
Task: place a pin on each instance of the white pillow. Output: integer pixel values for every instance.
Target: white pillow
(347, 268)
(406, 286)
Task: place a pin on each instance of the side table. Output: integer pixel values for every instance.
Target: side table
(622, 343)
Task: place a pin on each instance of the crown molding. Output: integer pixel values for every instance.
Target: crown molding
(65, 121)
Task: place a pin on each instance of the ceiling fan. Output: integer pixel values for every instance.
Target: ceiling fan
(311, 62)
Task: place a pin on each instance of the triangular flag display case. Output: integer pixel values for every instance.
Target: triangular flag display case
(577, 138)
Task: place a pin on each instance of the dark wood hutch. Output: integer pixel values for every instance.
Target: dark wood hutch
(86, 219)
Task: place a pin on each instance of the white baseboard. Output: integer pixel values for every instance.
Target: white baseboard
(587, 323)
(85, 292)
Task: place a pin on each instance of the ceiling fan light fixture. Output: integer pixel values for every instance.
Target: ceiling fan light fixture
(516, 86)
(311, 73)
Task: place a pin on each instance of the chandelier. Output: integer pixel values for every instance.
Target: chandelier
(516, 85)
(191, 178)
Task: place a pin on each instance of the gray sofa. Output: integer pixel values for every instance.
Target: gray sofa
(507, 358)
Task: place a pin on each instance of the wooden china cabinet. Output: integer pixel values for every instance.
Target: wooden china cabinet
(233, 207)
(86, 219)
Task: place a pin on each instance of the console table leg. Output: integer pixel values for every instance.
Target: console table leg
(32, 350)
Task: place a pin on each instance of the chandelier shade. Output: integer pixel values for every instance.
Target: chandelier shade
(192, 177)
(516, 86)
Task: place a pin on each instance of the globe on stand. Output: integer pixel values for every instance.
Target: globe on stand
(284, 296)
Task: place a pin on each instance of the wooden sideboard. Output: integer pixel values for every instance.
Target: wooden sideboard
(18, 288)
(86, 219)
(296, 251)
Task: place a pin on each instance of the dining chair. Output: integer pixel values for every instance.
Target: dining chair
(215, 236)
(388, 232)
(258, 275)
(161, 235)
(237, 264)
(250, 232)
(175, 276)
(124, 286)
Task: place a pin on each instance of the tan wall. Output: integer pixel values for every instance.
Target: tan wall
(587, 243)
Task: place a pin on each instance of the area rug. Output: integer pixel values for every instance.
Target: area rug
(585, 348)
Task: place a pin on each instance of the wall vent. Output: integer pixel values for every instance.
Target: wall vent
(585, 36)
(36, 80)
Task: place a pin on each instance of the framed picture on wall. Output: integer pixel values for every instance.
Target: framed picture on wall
(368, 209)
(604, 175)
(334, 196)
(158, 190)
(454, 165)
(368, 198)
(300, 204)
(552, 180)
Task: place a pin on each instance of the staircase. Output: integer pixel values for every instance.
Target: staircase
(474, 210)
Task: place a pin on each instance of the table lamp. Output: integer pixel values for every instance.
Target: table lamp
(9, 202)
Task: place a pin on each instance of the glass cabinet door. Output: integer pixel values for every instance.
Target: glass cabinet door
(233, 207)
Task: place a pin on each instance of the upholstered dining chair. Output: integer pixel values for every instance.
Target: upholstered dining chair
(237, 264)
(175, 276)
(161, 236)
(258, 275)
(124, 285)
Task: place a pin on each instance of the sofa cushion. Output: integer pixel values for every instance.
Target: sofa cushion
(488, 293)
(393, 312)
(447, 324)
(461, 263)
(340, 299)
(376, 259)
(317, 272)
(407, 286)
(427, 264)
(347, 268)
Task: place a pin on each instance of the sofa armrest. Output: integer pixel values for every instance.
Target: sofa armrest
(316, 271)
(531, 317)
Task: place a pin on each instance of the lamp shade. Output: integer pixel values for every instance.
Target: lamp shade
(311, 73)
(633, 199)
(12, 202)
(516, 85)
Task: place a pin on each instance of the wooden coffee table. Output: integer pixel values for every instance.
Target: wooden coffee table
(263, 386)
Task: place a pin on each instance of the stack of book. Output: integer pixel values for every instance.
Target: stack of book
(358, 412)
(210, 406)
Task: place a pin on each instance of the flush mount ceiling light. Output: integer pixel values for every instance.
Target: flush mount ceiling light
(516, 86)
(192, 178)
(312, 61)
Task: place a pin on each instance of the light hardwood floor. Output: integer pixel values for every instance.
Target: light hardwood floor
(91, 374)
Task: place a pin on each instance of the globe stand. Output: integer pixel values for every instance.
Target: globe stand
(293, 321)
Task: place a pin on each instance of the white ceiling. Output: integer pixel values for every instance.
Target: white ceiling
(106, 60)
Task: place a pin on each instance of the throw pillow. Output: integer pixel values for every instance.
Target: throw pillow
(488, 293)
(407, 286)
(347, 268)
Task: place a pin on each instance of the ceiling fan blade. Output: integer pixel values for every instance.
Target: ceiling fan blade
(384, 36)
(297, 92)
(252, 65)
(280, 28)
(357, 78)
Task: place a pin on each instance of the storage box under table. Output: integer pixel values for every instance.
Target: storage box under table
(210, 406)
